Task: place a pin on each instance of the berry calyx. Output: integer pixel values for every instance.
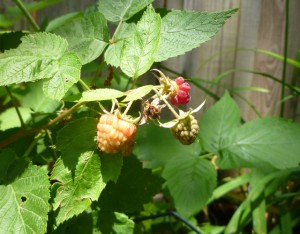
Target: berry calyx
(186, 130)
(181, 95)
(115, 134)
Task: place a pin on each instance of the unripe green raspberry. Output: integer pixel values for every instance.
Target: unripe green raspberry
(186, 130)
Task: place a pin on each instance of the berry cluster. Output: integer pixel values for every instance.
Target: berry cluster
(186, 130)
(182, 92)
(115, 134)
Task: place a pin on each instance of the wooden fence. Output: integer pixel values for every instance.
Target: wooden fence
(259, 24)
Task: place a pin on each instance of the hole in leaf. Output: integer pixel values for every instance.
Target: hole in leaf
(23, 199)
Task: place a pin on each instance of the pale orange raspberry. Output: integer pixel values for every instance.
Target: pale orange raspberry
(115, 134)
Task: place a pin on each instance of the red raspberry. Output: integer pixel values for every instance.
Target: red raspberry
(115, 134)
(182, 92)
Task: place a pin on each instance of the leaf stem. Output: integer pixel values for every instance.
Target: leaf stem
(84, 85)
(117, 29)
(286, 37)
(27, 14)
(15, 106)
(51, 142)
(31, 146)
(127, 109)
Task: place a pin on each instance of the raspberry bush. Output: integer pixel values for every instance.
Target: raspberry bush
(73, 105)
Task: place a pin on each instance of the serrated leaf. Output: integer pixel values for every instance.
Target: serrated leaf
(67, 74)
(37, 101)
(10, 119)
(123, 196)
(114, 222)
(217, 122)
(138, 93)
(78, 171)
(137, 55)
(24, 201)
(118, 10)
(183, 31)
(155, 146)
(201, 175)
(112, 54)
(266, 142)
(75, 193)
(101, 95)
(111, 167)
(87, 35)
(41, 56)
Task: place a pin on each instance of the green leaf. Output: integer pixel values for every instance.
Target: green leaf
(138, 93)
(24, 201)
(112, 54)
(114, 222)
(111, 166)
(76, 138)
(37, 101)
(183, 31)
(190, 197)
(78, 171)
(87, 36)
(228, 186)
(123, 196)
(75, 193)
(100, 95)
(266, 142)
(10, 119)
(137, 55)
(41, 56)
(217, 122)
(118, 10)
(155, 146)
(62, 20)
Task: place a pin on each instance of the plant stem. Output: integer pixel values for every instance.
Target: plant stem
(63, 115)
(167, 103)
(286, 37)
(15, 106)
(23, 133)
(27, 14)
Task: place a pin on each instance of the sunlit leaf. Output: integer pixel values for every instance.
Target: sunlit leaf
(137, 55)
(183, 31)
(118, 10)
(87, 35)
(24, 199)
